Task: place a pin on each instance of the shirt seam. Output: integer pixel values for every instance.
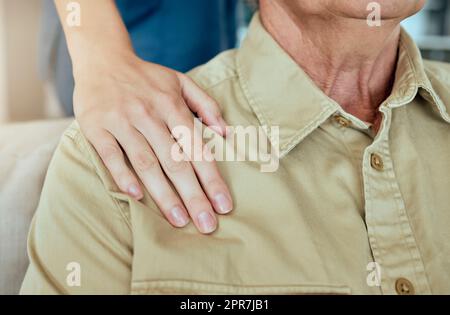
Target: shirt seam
(403, 219)
(408, 219)
(221, 81)
(78, 140)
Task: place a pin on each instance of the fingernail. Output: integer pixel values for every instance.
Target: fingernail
(223, 204)
(223, 126)
(135, 191)
(179, 217)
(207, 223)
(218, 129)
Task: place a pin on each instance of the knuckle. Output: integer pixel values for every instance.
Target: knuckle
(199, 202)
(215, 183)
(113, 116)
(137, 109)
(173, 166)
(168, 99)
(145, 162)
(178, 116)
(124, 177)
(143, 112)
(214, 109)
(109, 152)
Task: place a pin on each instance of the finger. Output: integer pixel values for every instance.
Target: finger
(203, 105)
(114, 160)
(204, 166)
(180, 173)
(149, 171)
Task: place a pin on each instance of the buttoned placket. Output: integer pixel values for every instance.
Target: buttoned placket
(391, 238)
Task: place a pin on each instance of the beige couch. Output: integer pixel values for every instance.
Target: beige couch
(25, 152)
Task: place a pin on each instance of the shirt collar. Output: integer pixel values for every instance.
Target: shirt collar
(412, 79)
(282, 95)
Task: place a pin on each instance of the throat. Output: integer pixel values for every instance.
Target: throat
(352, 64)
(362, 92)
(361, 100)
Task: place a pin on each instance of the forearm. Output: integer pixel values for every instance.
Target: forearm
(101, 32)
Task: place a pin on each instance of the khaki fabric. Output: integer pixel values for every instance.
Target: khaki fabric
(342, 198)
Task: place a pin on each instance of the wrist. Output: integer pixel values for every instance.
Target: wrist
(88, 49)
(101, 59)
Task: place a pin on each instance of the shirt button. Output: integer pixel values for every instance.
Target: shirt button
(342, 121)
(377, 162)
(404, 287)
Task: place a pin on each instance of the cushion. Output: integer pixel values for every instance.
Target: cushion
(25, 153)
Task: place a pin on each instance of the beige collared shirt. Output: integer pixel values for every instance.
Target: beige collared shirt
(347, 211)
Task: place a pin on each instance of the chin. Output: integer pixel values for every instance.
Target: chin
(398, 9)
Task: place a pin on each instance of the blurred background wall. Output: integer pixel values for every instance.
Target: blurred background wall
(431, 30)
(24, 97)
(21, 92)
(3, 78)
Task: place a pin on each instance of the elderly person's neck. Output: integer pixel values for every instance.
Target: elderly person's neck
(352, 63)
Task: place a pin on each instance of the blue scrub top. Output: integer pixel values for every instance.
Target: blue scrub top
(180, 34)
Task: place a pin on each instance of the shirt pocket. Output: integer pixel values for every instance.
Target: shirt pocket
(179, 287)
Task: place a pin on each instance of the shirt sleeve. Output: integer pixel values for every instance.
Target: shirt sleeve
(80, 241)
